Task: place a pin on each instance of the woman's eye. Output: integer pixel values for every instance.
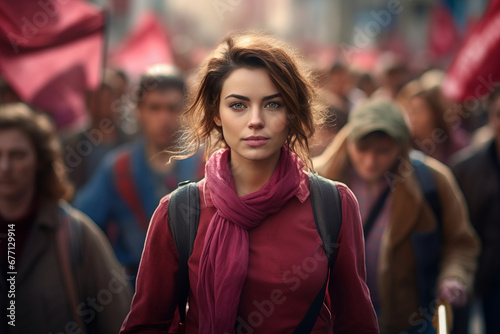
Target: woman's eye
(273, 105)
(237, 105)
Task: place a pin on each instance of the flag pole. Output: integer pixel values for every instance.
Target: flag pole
(105, 41)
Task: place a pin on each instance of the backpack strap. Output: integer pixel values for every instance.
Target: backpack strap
(70, 252)
(375, 212)
(183, 217)
(327, 211)
(124, 182)
(429, 188)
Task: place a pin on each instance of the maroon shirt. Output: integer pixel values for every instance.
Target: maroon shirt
(287, 268)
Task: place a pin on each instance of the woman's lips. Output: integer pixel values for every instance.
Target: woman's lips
(256, 141)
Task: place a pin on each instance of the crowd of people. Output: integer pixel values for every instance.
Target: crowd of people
(417, 182)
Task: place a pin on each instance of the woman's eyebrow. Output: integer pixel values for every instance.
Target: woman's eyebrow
(244, 98)
(241, 97)
(270, 97)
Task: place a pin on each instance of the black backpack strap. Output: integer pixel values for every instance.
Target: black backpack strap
(327, 211)
(375, 211)
(183, 216)
(429, 188)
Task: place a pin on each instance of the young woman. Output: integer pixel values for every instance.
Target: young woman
(257, 262)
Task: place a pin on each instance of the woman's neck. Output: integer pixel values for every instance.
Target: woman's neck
(249, 176)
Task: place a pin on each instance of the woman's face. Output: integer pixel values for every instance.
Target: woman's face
(422, 121)
(252, 115)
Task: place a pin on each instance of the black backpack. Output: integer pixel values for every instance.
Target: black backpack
(184, 214)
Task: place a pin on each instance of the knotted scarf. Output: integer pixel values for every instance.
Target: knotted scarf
(224, 259)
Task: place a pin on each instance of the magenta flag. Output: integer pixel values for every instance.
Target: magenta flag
(51, 54)
(146, 44)
(476, 67)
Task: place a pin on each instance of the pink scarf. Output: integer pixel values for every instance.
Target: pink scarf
(224, 260)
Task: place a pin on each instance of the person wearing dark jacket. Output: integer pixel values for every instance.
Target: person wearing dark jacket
(415, 256)
(478, 174)
(58, 272)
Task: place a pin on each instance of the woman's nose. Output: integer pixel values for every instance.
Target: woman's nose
(256, 119)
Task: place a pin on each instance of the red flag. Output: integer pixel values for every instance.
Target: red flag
(443, 32)
(51, 53)
(147, 44)
(476, 68)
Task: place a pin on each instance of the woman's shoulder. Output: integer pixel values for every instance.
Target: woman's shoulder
(347, 197)
(350, 206)
(344, 191)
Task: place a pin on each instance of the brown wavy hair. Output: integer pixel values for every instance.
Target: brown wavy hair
(51, 177)
(287, 70)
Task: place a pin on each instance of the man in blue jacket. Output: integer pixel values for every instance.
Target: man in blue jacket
(125, 190)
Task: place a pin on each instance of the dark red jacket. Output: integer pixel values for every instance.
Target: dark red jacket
(287, 268)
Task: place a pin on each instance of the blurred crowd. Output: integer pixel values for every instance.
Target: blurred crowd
(117, 168)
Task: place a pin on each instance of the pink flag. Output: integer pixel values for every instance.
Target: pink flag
(51, 53)
(476, 68)
(147, 44)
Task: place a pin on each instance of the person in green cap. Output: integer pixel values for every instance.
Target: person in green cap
(420, 246)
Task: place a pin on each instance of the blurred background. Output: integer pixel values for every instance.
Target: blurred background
(54, 51)
(81, 62)
(427, 29)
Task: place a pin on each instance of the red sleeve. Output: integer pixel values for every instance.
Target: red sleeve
(352, 309)
(154, 304)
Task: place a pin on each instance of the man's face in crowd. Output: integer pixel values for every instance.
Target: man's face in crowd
(373, 155)
(18, 164)
(159, 113)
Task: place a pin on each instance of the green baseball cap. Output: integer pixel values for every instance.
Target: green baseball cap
(378, 115)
